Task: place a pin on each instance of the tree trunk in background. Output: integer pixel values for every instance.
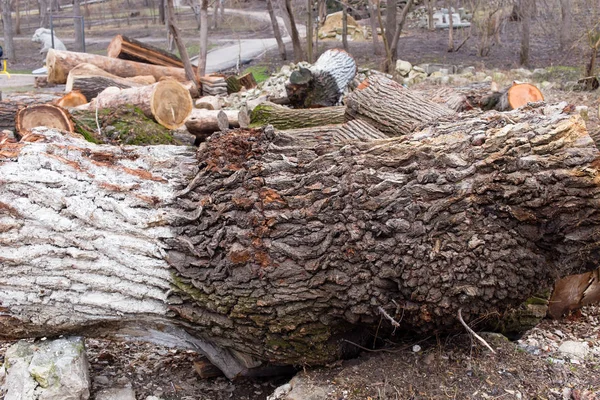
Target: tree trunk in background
(309, 32)
(373, 5)
(203, 38)
(450, 27)
(266, 247)
(78, 28)
(566, 24)
(9, 45)
(17, 4)
(526, 7)
(430, 22)
(298, 52)
(185, 58)
(345, 24)
(397, 33)
(161, 12)
(276, 31)
(391, 12)
(55, 6)
(44, 15)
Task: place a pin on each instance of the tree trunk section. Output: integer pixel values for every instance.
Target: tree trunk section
(237, 118)
(72, 99)
(125, 48)
(450, 27)
(344, 25)
(59, 63)
(209, 103)
(203, 38)
(203, 123)
(270, 248)
(91, 81)
(18, 17)
(324, 83)
(43, 115)
(167, 102)
(276, 31)
(309, 31)
(9, 46)
(291, 118)
(392, 108)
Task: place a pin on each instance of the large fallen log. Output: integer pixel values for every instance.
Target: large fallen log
(392, 108)
(59, 63)
(91, 80)
(8, 112)
(324, 83)
(282, 117)
(202, 122)
(271, 248)
(130, 49)
(168, 102)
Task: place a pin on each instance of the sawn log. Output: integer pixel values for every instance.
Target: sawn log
(59, 63)
(282, 117)
(126, 48)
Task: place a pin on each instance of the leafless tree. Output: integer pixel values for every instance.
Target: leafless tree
(345, 24)
(391, 63)
(309, 31)
(78, 27)
(276, 31)
(566, 14)
(391, 12)
(203, 38)
(430, 22)
(9, 47)
(185, 58)
(293, 31)
(449, 4)
(17, 8)
(373, 6)
(526, 10)
(44, 16)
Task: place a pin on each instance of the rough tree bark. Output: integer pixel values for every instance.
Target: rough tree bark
(394, 46)
(324, 83)
(291, 118)
(270, 248)
(390, 107)
(276, 31)
(126, 48)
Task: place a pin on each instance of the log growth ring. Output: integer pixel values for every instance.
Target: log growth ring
(171, 103)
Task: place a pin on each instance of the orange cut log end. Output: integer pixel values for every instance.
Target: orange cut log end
(523, 93)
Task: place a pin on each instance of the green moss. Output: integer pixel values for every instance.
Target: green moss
(260, 72)
(559, 73)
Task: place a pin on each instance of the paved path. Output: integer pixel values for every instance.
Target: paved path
(246, 49)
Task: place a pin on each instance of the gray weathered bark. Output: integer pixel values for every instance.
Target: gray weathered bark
(78, 28)
(373, 6)
(526, 9)
(270, 248)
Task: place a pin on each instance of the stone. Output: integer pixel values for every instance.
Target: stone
(125, 393)
(403, 67)
(301, 388)
(280, 392)
(572, 349)
(47, 370)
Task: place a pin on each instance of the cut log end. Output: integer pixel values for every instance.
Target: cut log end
(171, 104)
(522, 93)
(48, 115)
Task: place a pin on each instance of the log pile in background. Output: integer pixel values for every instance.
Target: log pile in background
(213, 85)
(126, 48)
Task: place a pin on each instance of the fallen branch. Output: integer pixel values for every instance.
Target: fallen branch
(472, 332)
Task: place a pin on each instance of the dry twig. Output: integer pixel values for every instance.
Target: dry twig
(472, 332)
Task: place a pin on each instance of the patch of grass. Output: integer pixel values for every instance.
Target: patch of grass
(260, 72)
